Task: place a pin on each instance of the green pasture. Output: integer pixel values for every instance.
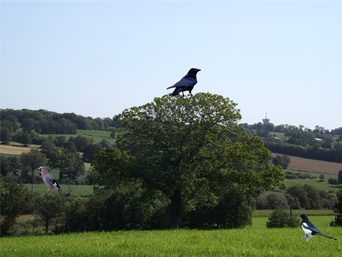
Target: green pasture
(250, 241)
(318, 185)
(95, 135)
(278, 134)
(80, 190)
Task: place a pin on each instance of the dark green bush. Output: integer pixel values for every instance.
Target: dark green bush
(281, 219)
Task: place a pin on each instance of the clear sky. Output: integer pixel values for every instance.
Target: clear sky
(98, 58)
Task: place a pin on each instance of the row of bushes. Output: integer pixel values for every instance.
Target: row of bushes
(297, 197)
(126, 207)
(298, 175)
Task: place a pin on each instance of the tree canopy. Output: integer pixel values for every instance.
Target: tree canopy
(187, 149)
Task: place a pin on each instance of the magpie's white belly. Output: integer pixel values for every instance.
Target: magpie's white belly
(306, 231)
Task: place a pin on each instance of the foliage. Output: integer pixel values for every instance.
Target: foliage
(321, 177)
(333, 181)
(123, 208)
(338, 210)
(271, 201)
(185, 147)
(69, 164)
(32, 160)
(311, 198)
(311, 152)
(10, 165)
(46, 122)
(23, 138)
(13, 200)
(281, 219)
(339, 178)
(296, 175)
(48, 209)
(6, 133)
(283, 161)
(90, 151)
(232, 211)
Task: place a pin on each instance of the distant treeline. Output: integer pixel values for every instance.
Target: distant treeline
(318, 144)
(47, 122)
(316, 153)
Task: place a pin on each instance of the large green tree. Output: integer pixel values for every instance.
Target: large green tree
(185, 148)
(69, 164)
(33, 159)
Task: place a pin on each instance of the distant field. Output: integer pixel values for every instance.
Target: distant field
(278, 134)
(16, 150)
(94, 133)
(299, 163)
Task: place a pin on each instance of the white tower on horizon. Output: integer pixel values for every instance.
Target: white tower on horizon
(266, 121)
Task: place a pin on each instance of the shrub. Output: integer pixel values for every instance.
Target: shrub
(333, 181)
(338, 209)
(281, 219)
(276, 201)
(13, 201)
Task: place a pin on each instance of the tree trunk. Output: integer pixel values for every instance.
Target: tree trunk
(61, 174)
(176, 203)
(32, 179)
(46, 227)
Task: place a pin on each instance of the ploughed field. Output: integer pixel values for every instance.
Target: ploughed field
(298, 163)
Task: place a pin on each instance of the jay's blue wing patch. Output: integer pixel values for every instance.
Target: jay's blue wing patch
(50, 182)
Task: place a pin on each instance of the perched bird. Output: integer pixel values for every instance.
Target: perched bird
(49, 181)
(187, 83)
(310, 229)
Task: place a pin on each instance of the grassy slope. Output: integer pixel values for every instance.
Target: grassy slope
(251, 241)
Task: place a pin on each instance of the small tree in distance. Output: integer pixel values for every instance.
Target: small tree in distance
(321, 177)
(339, 178)
(281, 219)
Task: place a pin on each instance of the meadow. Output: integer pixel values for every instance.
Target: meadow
(250, 241)
(96, 135)
(80, 190)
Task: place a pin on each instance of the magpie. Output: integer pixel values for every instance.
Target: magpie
(187, 83)
(310, 229)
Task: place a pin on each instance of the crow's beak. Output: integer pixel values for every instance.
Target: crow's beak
(298, 216)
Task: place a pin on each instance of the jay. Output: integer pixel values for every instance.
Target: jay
(49, 181)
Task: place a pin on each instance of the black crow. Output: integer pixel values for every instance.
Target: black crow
(310, 229)
(187, 83)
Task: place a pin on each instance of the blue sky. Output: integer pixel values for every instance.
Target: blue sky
(98, 58)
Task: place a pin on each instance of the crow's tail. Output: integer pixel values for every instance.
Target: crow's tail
(319, 233)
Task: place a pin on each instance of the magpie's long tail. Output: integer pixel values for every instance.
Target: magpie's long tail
(319, 233)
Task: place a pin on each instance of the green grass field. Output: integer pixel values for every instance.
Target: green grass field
(80, 190)
(250, 241)
(95, 135)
